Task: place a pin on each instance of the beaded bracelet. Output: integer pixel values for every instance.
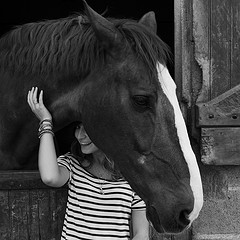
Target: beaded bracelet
(45, 131)
(45, 126)
(46, 120)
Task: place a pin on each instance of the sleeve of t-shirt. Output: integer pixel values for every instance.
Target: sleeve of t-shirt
(64, 161)
(138, 203)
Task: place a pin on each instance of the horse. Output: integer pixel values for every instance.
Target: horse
(111, 75)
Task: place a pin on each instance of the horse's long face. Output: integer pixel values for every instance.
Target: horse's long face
(139, 125)
(134, 117)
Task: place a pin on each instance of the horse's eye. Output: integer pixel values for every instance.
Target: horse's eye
(142, 101)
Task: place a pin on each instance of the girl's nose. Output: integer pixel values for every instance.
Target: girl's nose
(80, 132)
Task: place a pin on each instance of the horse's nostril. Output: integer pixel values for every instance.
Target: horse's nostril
(183, 219)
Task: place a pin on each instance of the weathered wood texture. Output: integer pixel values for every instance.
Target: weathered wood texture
(221, 146)
(216, 36)
(29, 209)
(219, 218)
(221, 111)
(216, 33)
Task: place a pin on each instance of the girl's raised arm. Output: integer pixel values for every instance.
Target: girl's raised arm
(51, 174)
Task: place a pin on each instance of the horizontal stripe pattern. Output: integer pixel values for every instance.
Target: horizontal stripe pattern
(91, 214)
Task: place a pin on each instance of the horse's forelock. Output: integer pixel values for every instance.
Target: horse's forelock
(145, 44)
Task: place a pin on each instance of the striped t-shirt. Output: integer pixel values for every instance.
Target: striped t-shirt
(97, 208)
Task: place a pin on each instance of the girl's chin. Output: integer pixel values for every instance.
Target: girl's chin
(86, 152)
(88, 149)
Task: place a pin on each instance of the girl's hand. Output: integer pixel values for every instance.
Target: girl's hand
(37, 106)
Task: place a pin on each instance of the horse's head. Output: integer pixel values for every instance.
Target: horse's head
(130, 110)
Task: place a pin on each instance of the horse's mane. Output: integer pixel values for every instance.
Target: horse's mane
(70, 45)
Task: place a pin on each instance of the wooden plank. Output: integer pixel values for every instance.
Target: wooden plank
(183, 49)
(44, 214)
(222, 111)
(4, 215)
(220, 146)
(51, 208)
(216, 33)
(201, 34)
(220, 42)
(61, 200)
(34, 215)
(235, 43)
(58, 199)
(20, 180)
(191, 35)
(29, 209)
(19, 214)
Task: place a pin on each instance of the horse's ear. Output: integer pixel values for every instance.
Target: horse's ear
(149, 21)
(104, 30)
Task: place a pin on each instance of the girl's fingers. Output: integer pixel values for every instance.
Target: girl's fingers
(41, 98)
(35, 101)
(37, 105)
(30, 97)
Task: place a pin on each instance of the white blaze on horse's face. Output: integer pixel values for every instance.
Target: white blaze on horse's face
(169, 89)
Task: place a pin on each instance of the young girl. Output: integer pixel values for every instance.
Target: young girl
(100, 202)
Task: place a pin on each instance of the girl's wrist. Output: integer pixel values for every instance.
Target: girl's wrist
(47, 119)
(45, 126)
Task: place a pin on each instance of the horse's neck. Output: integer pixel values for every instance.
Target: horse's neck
(67, 107)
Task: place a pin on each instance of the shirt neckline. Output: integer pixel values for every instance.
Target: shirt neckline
(99, 178)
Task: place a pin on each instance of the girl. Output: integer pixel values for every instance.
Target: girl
(100, 203)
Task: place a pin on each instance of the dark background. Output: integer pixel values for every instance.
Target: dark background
(18, 12)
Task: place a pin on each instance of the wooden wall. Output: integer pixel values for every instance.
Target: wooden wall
(207, 34)
(28, 208)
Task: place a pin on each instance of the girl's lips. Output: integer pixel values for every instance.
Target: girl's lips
(85, 144)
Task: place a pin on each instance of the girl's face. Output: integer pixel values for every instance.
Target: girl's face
(87, 146)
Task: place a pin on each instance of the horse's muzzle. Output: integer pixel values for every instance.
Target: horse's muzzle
(154, 219)
(163, 224)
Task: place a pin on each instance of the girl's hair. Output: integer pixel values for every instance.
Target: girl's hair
(107, 163)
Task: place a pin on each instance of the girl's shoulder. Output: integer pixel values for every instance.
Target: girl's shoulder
(70, 158)
(70, 155)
